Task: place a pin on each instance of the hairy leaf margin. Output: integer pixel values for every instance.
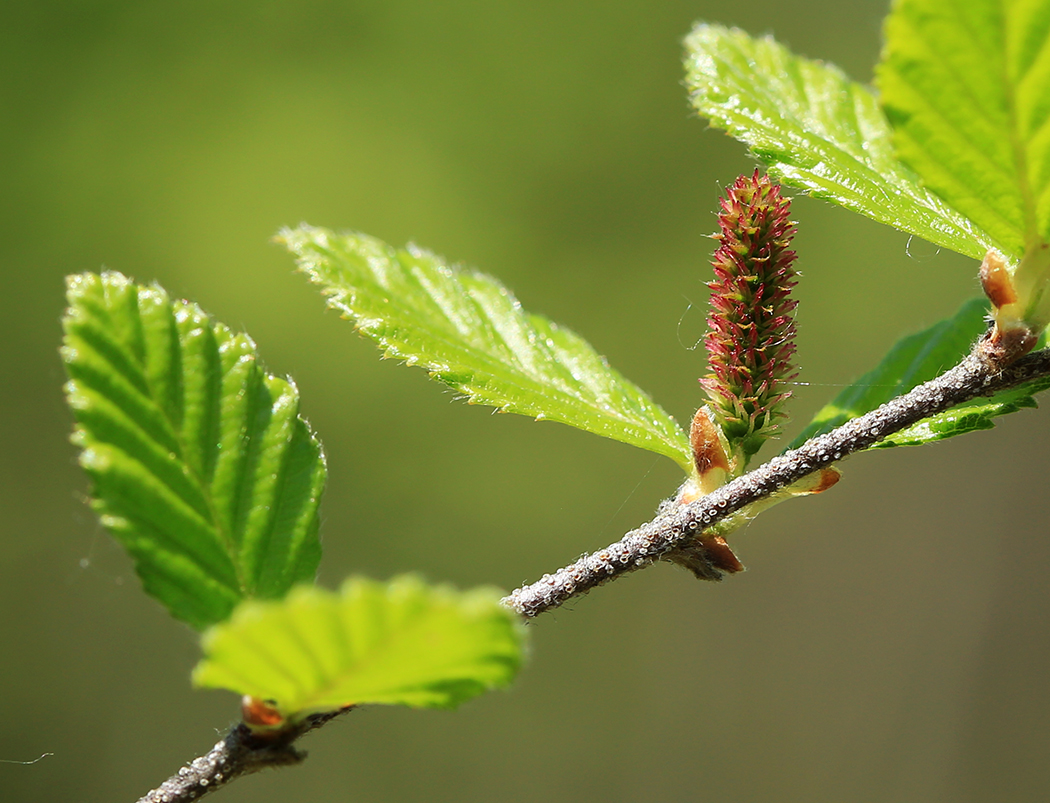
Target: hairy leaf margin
(469, 332)
(201, 466)
(816, 130)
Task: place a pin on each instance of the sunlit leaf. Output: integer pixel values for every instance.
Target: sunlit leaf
(469, 332)
(916, 359)
(401, 643)
(815, 129)
(201, 465)
(967, 89)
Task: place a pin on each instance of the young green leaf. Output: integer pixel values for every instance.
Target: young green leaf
(916, 359)
(400, 643)
(967, 89)
(469, 332)
(201, 465)
(815, 129)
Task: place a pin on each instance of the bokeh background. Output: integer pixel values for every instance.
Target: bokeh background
(890, 641)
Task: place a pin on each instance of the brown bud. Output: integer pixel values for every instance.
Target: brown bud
(709, 455)
(817, 482)
(1012, 336)
(708, 557)
(260, 715)
(996, 280)
(720, 555)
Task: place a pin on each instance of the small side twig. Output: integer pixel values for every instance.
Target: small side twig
(979, 374)
(241, 752)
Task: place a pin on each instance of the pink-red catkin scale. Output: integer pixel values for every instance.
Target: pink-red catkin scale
(750, 342)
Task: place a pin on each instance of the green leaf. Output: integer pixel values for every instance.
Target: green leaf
(470, 332)
(400, 643)
(201, 465)
(815, 129)
(967, 89)
(916, 359)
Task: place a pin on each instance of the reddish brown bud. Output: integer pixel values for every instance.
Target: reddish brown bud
(817, 482)
(709, 457)
(720, 555)
(260, 715)
(708, 557)
(996, 281)
(1013, 335)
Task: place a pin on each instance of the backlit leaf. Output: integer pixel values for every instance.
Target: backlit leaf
(400, 643)
(967, 89)
(815, 129)
(201, 465)
(468, 331)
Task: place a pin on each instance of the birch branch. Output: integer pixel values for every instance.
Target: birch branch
(242, 753)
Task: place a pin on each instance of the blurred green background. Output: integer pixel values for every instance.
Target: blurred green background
(889, 642)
